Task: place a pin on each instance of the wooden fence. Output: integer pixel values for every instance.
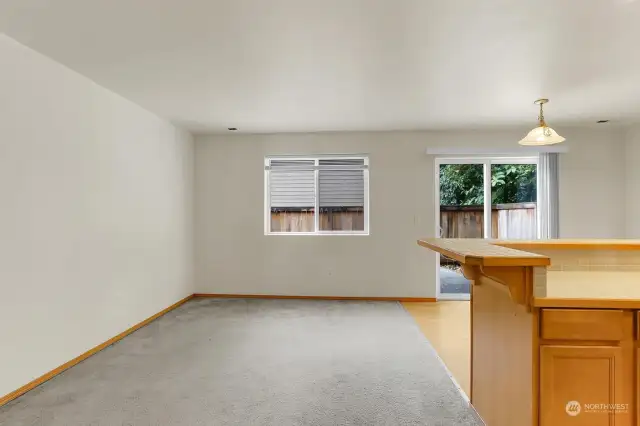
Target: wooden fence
(508, 221)
(303, 221)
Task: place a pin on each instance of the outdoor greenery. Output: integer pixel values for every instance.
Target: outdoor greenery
(462, 184)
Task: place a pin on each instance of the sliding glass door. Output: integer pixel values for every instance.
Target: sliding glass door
(514, 196)
(460, 214)
(482, 198)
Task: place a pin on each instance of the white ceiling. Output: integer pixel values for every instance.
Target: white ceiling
(316, 65)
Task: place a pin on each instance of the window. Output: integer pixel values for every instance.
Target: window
(487, 197)
(317, 195)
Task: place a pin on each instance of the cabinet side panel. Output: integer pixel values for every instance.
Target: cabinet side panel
(503, 381)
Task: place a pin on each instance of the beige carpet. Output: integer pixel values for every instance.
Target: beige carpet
(256, 362)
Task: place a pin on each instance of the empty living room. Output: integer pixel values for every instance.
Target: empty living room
(319, 213)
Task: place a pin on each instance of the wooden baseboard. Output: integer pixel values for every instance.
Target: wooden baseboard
(51, 374)
(271, 296)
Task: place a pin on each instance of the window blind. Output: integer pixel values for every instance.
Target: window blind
(339, 187)
(548, 200)
(292, 184)
(340, 183)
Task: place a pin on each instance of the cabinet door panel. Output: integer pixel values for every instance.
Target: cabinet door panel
(583, 386)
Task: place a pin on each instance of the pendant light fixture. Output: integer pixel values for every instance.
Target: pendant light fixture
(543, 134)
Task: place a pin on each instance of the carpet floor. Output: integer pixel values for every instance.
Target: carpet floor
(256, 362)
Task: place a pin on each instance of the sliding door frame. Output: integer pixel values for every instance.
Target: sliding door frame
(486, 162)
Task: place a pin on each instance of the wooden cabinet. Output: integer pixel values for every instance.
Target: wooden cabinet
(637, 401)
(587, 367)
(580, 384)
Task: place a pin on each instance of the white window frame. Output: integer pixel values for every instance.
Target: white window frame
(316, 159)
(486, 162)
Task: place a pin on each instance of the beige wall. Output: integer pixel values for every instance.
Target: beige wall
(633, 182)
(234, 256)
(96, 218)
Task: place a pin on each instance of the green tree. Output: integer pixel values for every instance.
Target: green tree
(462, 184)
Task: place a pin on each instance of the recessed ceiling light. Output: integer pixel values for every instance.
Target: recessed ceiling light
(232, 129)
(602, 121)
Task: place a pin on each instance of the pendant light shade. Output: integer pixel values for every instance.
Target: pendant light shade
(543, 134)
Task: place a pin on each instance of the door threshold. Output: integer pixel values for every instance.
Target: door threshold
(452, 296)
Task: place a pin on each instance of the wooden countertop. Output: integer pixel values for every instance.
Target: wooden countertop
(570, 244)
(483, 252)
(478, 251)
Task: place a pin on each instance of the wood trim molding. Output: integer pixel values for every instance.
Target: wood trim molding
(272, 296)
(550, 302)
(51, 374)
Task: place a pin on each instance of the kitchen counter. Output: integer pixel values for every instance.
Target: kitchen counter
(552, 321)
(469, 251)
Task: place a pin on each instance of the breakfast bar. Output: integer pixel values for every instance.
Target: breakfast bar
(554, 329)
